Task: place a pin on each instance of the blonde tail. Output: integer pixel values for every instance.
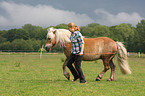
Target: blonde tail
(122, 58)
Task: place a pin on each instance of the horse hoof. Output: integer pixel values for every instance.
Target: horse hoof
(67, 76)
(97, 79)
(110, 80)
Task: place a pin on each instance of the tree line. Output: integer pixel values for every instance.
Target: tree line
(30, 38)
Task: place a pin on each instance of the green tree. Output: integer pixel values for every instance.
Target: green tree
(2, 36)
(140, 36)
(10, 35)
(21, 45)
(61, 26)
(93, 25)
(35, 32)
(31, 29)
(5, 46)
(2, 39)
(122, 32)
(21, 34)
(40, 33)
(95, 30)
(36, 44)
(86, 31)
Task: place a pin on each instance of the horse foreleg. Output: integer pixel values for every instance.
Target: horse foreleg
(106, 68)
(66, 74)
(112, 75)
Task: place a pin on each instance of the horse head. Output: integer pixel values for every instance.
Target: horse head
(51, 39)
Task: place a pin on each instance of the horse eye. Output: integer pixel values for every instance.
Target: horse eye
(49, 38)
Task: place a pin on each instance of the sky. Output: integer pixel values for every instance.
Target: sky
(45, 13)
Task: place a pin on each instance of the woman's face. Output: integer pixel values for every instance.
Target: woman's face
(71, 29)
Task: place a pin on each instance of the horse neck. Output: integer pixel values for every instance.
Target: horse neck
(67, 49)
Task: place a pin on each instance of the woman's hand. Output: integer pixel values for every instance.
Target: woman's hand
(82, 49)
(81, 53)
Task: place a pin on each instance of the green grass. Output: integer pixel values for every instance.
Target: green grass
(28, 75)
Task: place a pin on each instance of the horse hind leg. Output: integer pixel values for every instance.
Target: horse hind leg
(106, 68)
(66, 74)
(112, 75)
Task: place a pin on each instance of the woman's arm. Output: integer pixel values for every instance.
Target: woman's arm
(82, 49)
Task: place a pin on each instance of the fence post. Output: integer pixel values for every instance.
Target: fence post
(128, 53)
(41, 51)
(139, 54)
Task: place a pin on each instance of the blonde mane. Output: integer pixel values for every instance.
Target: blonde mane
(62, 35)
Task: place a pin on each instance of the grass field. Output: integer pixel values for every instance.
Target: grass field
(28, 75)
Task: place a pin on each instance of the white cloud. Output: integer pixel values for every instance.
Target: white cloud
(106, 18)
(42, 15)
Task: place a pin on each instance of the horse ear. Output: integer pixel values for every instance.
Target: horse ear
(50, 29)
(54, 32)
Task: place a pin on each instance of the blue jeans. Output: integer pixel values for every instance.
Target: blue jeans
(77, 71)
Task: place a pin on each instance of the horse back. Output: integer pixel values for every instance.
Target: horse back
(96, 47)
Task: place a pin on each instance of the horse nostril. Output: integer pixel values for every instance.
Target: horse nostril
(47, 47)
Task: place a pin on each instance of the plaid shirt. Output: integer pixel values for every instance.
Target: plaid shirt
(76, 39)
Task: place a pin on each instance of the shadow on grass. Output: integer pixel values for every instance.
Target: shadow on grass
(63, 81)
(42, 81)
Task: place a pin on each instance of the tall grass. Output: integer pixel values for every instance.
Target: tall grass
(28, 75)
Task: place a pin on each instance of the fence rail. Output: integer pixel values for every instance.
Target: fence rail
(37, 51)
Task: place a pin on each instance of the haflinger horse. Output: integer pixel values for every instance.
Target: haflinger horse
(94, 48)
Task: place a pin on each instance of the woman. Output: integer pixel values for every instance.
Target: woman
(76, 53)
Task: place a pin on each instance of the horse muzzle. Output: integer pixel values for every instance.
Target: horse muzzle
(48, 47)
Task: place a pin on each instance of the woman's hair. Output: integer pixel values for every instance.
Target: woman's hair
(77, 28)
(71, 24)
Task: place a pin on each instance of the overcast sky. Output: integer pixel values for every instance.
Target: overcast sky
(45, 13)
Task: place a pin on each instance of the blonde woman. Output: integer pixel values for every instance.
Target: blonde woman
(76, 53)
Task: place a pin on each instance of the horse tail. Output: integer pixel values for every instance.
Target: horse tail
(122, 58)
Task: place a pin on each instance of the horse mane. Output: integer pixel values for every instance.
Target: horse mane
(62, 36)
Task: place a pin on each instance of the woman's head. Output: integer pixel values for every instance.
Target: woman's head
(71, 27)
